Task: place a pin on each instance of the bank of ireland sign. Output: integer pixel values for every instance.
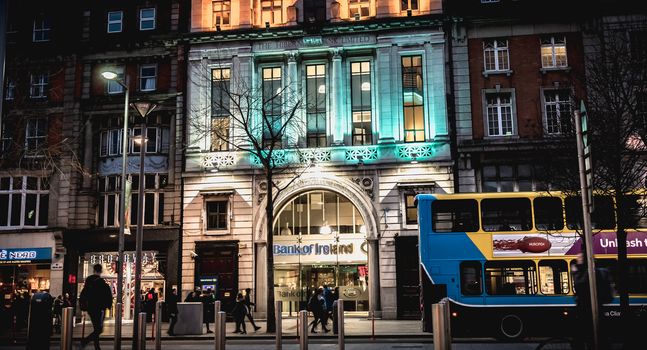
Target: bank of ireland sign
(320, 249)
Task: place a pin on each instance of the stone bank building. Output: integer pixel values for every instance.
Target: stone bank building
(371, 77)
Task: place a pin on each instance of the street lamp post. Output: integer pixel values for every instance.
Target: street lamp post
(143, 108)
(122, 204)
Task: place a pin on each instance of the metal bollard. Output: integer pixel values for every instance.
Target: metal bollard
(216, 307)
(158, 325)
(440, 321)
(340, 324)
(141, 332)
(118, 324)
(303, 329)
(220, 332)
(372, 324)
(67, 328)
(278, 308)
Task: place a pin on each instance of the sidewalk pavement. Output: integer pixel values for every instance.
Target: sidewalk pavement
(355, 327)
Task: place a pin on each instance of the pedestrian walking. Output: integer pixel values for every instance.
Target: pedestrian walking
(239, 312)
(328, 301)
(248, 303)
(95, 298)
(316, 305)
(171, 309)
(207, 308)
(57, 311)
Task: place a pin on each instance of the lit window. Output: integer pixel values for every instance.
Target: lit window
(220, 110)
(38, 86)
(272, 11)
(553, 52)
(24, 201)
(496, 55)
(272, 91)
(35, 134)
(152, 140)
(115, 21)
(499, 114)
(221, 12)
(148, 77)
(359, 8)
(412, 90)
(512, 178)
(557, 108)
(42, 30)
(113, 87)
(409, 5)
(361, 106)
(411, 210)
(10, 92)
(316, 105)
(147, 19)
(109, 200)
(217, 214)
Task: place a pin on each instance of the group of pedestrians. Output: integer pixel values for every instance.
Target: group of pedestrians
(321, 305)
(240, 310)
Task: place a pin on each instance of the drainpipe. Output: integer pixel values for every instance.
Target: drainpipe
(451, 103)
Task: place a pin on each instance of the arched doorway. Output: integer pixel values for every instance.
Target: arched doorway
(320, 240)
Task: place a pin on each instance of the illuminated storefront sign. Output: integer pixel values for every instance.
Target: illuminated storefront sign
(25, 255)
(318, 249)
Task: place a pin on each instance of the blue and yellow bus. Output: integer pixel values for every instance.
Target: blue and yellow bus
(504, 259)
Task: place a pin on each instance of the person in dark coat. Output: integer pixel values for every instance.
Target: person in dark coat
(171, 309)
(248, 303)
(316, 304)
(95, 298)
(239, 312)
(150, 299)
(57, 311)
(207, 308)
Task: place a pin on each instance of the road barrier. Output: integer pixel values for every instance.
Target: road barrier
(67, 328)
(441, 325)
(158, 325)
(303, 330)
(340, 324)
(141, 332)
(220, 332)
(118, 329)
(278, 308)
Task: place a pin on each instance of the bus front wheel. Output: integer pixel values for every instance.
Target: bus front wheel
(511, 327)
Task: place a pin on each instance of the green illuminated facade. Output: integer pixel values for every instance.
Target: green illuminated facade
(373, 132)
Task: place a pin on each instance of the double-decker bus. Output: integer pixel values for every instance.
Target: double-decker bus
(504, 259)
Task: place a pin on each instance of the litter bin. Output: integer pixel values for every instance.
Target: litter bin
(189, 319)
(39, 329)
(334, 316)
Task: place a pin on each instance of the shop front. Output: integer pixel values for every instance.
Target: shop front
(24, 270)
(320, 240)
(152, 276)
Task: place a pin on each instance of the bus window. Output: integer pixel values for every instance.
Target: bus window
(510, 277)
(553, 277)
(549, 214)
(506, 214)
(637, 207)
(601, 218)
(471, 278)
(637, 276)
(458, 215)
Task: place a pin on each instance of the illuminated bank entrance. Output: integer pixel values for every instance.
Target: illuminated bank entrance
(320, 239)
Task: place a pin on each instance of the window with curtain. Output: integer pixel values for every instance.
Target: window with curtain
(413, 99)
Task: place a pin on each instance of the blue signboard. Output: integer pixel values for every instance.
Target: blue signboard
(25, 255)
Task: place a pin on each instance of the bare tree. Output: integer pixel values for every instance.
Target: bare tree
(616, 105)
(265, 123)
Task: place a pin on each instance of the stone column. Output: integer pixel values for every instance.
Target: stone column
(261, 277)
(374, 276)
(291, 97)
(337, 120)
